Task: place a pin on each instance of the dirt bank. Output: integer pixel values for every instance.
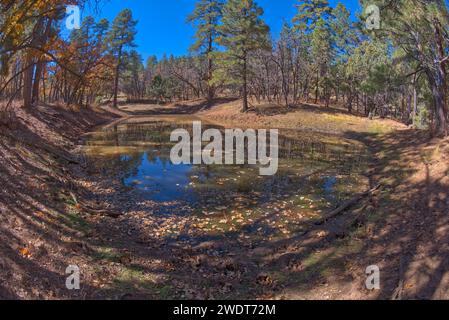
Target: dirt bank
(40, 234)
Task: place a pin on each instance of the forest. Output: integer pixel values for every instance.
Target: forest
(321, 56)
(360, 99)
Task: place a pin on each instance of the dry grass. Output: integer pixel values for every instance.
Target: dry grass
(304, 117)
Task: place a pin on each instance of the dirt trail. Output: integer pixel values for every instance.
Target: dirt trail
(412, 236)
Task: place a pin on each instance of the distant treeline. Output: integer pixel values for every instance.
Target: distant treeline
(321, 56)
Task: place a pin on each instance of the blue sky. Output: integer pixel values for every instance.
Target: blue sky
(162, 26)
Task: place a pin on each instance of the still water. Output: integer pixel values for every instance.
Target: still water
(325, 168)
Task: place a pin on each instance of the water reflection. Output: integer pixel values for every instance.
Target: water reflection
(323, 167)
(161, 180)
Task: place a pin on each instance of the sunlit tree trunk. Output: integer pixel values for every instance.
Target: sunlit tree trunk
(245, 86)
(116, 78)
(439, 83)
(27, 91)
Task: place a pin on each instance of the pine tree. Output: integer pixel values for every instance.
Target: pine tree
(133, 75)
(310, 12)
(120, 37)
(283, 58)
(313, 23)
(242, 32)
(322, 51)
(206, 18)
(344, 33)
(101, 30)
(420, 29)
(346, 38)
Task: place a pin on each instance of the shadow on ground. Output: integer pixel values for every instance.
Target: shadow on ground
(403, 229)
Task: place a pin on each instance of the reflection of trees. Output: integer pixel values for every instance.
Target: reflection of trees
(161, 155)
(300, 152)
(153, 139)
(117, 165)
(315, 150)
(298, 147)
(130, 166)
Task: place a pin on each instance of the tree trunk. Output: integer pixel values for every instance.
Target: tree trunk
(245, 86)
(116, 79)
(409, 108)
(44, 94)
(439, 83)
(440, 126)
(415, 100)
(350, 98)
(36, 83)
(27, 92)
(210, 68)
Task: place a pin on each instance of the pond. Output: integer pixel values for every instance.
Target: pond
(315, 170)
